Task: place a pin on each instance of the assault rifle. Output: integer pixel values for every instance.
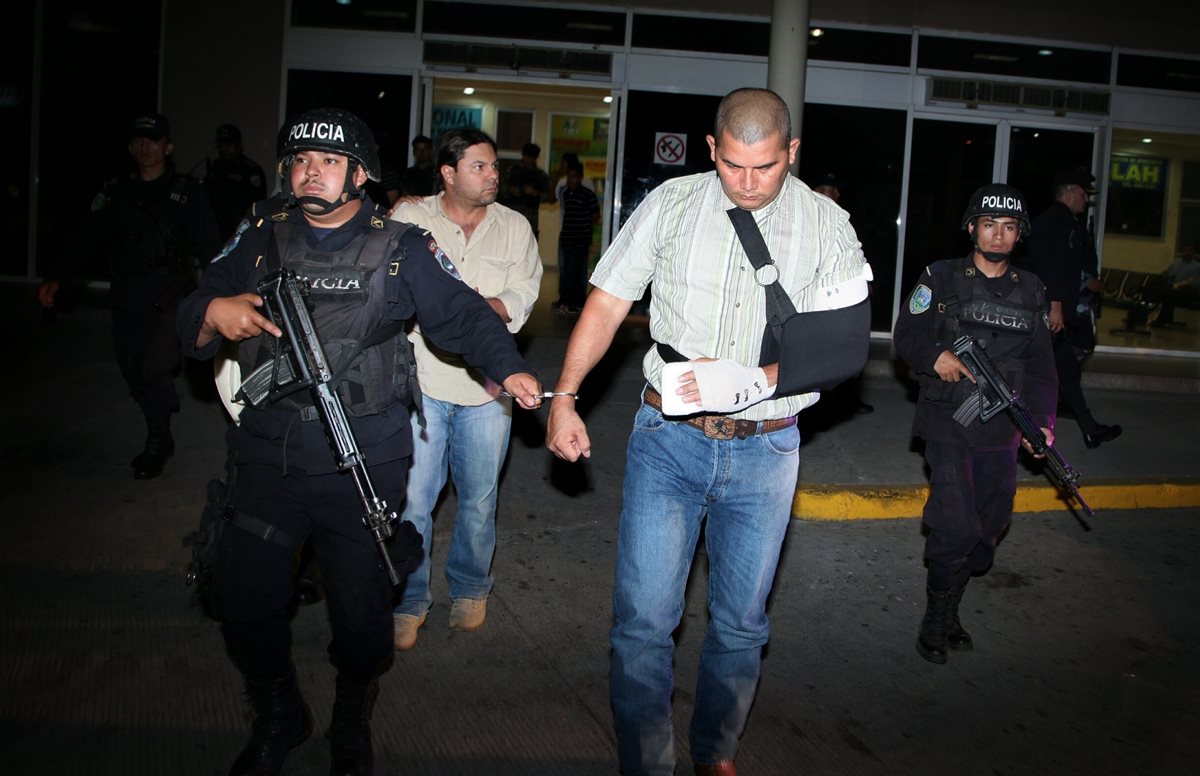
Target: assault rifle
(301, 363)
(993, 396)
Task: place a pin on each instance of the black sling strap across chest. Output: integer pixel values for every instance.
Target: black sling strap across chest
(816, 350)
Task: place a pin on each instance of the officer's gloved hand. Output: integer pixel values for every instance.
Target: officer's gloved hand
(727, 386)
(405, 548)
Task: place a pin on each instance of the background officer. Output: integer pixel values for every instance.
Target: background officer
(367, 275)
(154, 229)
(1063, 254)
(973, 468)
(234, 181)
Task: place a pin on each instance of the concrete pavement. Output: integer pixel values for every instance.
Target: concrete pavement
(1085, 661)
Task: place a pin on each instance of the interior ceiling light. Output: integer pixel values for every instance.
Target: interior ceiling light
(469, 90)
(816, 32)
(1045, 52)
(608, 98)
(1147, 140)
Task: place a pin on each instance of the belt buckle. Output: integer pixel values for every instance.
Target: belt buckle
(719, 427)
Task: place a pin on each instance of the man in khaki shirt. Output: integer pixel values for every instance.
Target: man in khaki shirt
(466, 423)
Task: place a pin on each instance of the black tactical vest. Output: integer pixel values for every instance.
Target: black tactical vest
(150, 223)
(965, 305)
(348, 306)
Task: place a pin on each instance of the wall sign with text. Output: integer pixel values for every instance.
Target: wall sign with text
(1135, 172)
(1137, 187)
(446, 117)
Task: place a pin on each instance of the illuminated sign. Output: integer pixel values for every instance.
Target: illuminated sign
(446, 117)
(1138, 173)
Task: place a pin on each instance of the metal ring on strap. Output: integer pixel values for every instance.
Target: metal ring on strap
(770, 268)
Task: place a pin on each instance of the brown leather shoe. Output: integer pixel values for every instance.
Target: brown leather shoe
(405, 630)
(467, 614)
(716, 769)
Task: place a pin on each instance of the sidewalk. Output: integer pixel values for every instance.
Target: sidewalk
(1085, 660)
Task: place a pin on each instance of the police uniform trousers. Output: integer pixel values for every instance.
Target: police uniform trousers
(146, 345)
(1070, 370)
(254, 580)
(970, 505)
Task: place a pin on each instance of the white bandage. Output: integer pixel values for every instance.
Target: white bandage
(727, 386)
(672, 403)
(844, 294)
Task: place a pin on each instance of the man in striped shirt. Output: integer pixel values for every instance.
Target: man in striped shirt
(581, 213)
(710, 441)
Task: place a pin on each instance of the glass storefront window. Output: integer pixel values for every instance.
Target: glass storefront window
(382, 101)
(687, 119)
(1152, 219)
(373, 15)
(696, 33)
(120, 44)
(524, 22)
(950, 160)
(1036, 154)
(971, 55)
(1158, 72)
(863, 149)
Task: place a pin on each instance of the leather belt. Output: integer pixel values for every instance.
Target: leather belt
(723, 426)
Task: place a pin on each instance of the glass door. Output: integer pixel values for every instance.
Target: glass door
(1035, 154)
(948, 160)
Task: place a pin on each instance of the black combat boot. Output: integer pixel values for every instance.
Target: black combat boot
(160, 446)
(931, 640)
(282, 722)
(350, 729)
(957, 638)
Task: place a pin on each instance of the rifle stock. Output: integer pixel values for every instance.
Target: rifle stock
(306, 366)
(995, 395)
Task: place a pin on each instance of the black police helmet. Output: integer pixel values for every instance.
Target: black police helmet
(997, 199)
(334, 131)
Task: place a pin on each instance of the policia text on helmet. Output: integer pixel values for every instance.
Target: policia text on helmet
(331, 131)
(996, 200)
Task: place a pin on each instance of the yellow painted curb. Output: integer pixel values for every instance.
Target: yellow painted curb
(887, 502)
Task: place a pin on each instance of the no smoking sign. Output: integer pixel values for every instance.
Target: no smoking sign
(670, 148)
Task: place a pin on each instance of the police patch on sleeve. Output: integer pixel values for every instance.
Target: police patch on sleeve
(443, 259)
(920, 299)
(233, 241)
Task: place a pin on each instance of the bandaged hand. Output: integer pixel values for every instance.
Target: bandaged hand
(723, 385)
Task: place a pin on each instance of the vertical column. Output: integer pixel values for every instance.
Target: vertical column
(787, 60)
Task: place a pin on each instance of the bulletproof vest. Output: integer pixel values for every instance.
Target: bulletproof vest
(348, 306)
(968, 307)
(149, 223)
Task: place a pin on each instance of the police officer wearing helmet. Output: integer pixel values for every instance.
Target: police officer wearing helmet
(367, 275)
(973, 467)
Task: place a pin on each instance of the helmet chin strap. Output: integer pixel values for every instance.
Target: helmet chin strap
(326, 206)
(993, 256)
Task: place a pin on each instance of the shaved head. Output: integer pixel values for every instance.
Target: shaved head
(753, 115)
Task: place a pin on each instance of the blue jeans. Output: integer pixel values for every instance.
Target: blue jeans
(675, 478)
(469, 443)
